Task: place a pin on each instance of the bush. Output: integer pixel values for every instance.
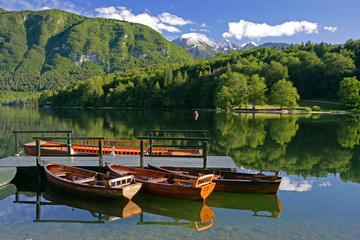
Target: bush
(316, 108)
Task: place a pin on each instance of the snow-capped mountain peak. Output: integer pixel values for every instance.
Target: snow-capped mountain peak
(248, 45)
(197, 39)
(227, 45)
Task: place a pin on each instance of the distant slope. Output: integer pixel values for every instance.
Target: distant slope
(52, 48)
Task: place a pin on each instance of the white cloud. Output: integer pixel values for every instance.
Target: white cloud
(40, 5)
(203, 30)
(172, 19)
(330, 28)
(298, 186)
(257, 31)
(159, 23)
(325, 184)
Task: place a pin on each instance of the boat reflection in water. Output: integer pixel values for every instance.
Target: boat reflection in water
(262, 205)
(151, 210)
(192, 214)
(108, 210)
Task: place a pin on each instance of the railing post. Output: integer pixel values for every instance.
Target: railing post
(142, 153)
(69, 142)
(16, 143)
(37, 152)
(205, 154)
(100, 153)
(151, 134)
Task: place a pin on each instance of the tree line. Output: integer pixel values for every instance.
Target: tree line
(237, 79)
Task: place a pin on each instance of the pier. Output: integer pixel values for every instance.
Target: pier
(32, 164)
(213, 162)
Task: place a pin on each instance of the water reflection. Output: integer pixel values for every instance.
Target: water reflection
(192, 214)
(287, 184)
(108, 210)
(302, 145)
(261, 205)
(53, 205)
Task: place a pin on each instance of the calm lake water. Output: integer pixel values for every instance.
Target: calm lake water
(318, 199)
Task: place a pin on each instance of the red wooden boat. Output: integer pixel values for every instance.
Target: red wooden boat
(89, 183)
(115, 147)
(227, 181)
(166, 184)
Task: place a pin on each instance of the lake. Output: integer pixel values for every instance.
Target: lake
(319, 196)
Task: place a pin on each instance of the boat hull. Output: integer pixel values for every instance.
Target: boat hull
(48, 147)
(231, 181)
(7, 175)
(165, 189)
(85, 189)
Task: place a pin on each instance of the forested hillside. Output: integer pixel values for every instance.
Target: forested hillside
(49, 49)
(223, 81)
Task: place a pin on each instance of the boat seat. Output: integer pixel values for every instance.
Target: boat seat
(84, 180)
(215, 176)
(157, 180)
(189, 181)
(121, 181)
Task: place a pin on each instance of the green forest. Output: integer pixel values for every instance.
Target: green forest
(239, 79)
(45, 50)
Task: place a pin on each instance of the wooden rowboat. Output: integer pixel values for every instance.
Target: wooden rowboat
(227, 181)
(7, 174)
(116, 147)
(166, 184)
(89, 183)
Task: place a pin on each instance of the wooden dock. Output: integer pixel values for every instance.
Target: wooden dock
(213, 162)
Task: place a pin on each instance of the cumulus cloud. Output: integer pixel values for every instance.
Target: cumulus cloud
(257, 31)
(172, 19)
(330, 28)
(41, 5)
(164, 21)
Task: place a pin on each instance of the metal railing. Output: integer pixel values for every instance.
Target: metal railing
(203, 146)
(151, 134)
(38, 148)
(68, 132)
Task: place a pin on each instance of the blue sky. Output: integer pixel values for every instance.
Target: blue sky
(289, 21)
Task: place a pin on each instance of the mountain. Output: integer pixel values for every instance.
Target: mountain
(201, 46)
(52, 48)
(248, 45)
(197, 44)
(228, 46)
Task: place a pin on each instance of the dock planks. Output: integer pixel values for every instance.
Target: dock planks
(213, 162)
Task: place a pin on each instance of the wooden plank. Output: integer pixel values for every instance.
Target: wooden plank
(214, 162)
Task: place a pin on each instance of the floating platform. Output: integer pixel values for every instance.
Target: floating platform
(213, 162)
